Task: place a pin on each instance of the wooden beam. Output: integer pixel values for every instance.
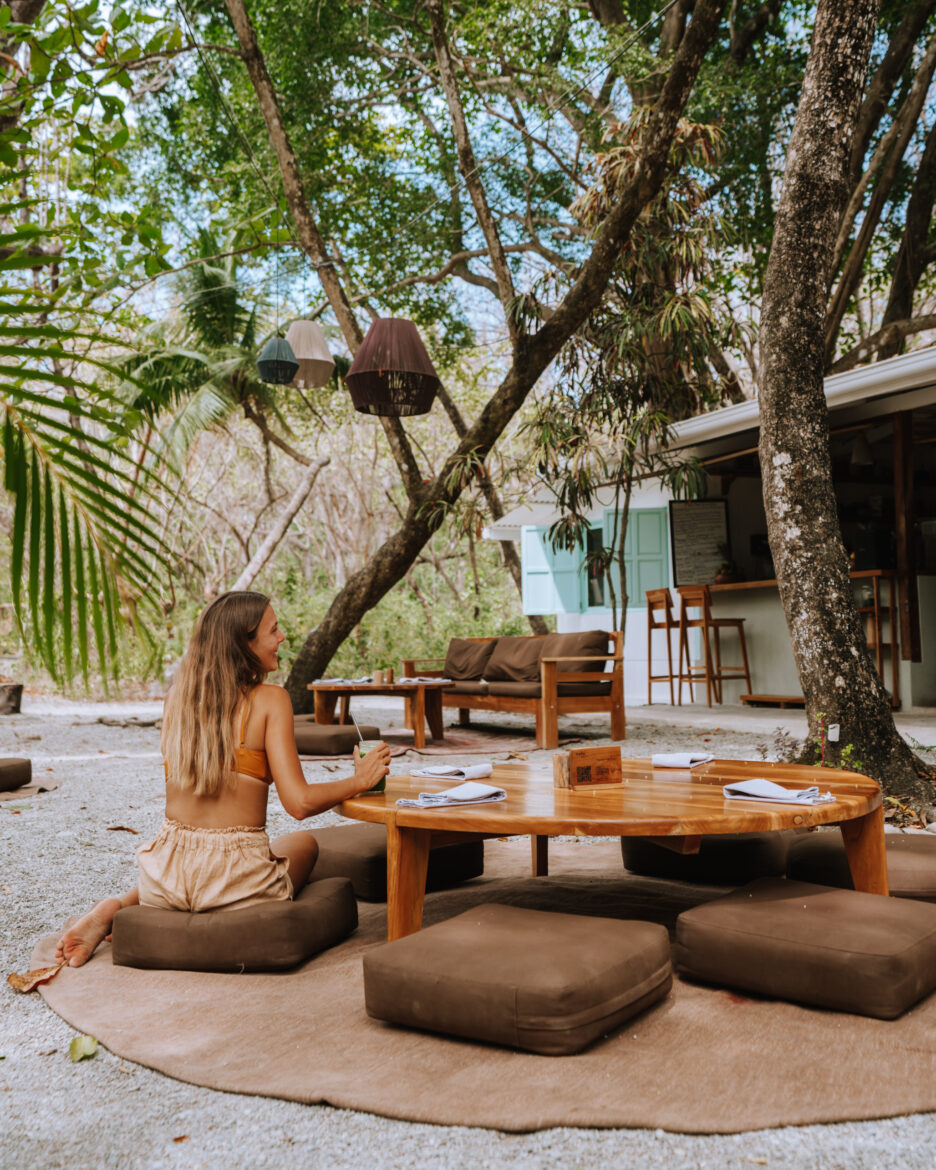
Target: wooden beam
(903, 528)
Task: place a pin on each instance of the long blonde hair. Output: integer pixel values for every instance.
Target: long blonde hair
(219, 668)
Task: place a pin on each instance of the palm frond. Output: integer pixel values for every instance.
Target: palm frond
(83, 530)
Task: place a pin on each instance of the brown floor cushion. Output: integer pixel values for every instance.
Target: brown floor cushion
(911, 863)
(14, 774)
(813, 944)
(329, 739)
(548, 983)
(722, 860)
(359, 852)
(272, 936)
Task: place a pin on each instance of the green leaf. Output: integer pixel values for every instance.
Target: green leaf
(48, 584)
(66, 586)
(82, 1048)
(96, 617)
(82, 602)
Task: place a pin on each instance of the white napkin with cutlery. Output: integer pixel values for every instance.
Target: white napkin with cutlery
(760, 789)
(679, 759)
(469, 793)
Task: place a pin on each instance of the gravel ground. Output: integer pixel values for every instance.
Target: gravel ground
(58, 857)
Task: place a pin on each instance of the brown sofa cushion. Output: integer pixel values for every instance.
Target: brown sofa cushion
(467, 687)
(514, 659)
(467, 659)
(329, 739)
(14, 774)
(911, 863)
(721, 860)
(585, 642)
(812, 944)
(271, 936)
(359, 853)
(528, 690)
(549, 983)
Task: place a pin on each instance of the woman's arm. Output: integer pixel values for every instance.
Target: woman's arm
(298, 798)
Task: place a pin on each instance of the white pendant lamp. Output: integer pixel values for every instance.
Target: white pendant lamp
(309, 346)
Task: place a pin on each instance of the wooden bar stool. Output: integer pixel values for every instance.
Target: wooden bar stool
(660, 604)
(711, 670)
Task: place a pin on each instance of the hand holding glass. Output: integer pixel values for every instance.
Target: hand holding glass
(372, 763)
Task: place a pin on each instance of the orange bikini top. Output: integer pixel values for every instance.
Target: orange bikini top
(250, 761)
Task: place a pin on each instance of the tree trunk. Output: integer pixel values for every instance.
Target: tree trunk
(531, 356)
(835, 669)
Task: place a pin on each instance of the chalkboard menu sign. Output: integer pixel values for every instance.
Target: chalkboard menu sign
(697, 528)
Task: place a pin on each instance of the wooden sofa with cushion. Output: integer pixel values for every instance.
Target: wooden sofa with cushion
(547, 675)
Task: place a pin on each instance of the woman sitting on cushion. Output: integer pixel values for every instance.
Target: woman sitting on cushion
(226, 737)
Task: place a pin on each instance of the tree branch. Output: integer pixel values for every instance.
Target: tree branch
(899, 134)
(913, 255)
(278, 531)
(309, 236)
(743, 40)
(890, 335)
(467, 164)
(885, 80)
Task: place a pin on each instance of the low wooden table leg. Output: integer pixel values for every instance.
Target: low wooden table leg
(434, 714)
(540, 847)
(418, 718)
(325, 703)
(345, 716)
(867, 857)
(407, 863)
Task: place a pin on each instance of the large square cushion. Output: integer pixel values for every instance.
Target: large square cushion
(839, 949)
(271, 936)
(359, 853)
(722, 860)
(911, 863)
(514, 659)
(329, 739)
(466, 658)
(588, 643)
(14, 774)
(548, 983)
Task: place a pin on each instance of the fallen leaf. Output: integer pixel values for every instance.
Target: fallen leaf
(82, 1048)
(33, 978)
(183, 1137)
(121, 829)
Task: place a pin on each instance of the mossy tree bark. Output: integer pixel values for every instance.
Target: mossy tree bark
(835, 669)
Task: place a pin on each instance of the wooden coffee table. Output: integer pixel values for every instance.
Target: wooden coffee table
(423, 704)
(675, 808)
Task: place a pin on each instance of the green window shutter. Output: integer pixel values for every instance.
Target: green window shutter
(553, 582)
(646, 559)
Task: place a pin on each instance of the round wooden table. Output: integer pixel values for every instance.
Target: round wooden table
(674, 807)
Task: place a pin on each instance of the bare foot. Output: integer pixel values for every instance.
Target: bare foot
(78, 943)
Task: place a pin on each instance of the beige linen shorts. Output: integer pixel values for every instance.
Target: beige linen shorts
(185, 868)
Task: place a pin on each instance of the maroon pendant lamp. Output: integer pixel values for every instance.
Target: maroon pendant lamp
(392, 373)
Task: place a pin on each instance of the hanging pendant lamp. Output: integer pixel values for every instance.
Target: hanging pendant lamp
(277, 362)
(392, 373)
(311, 352)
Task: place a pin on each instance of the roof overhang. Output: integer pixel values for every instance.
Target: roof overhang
(910, 378)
